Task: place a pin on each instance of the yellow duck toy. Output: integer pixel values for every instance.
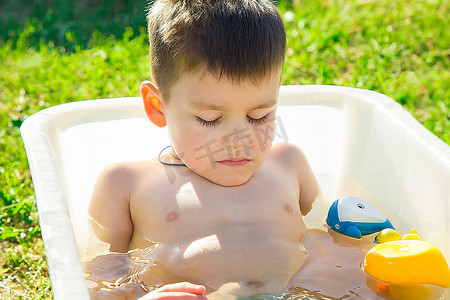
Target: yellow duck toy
(403, 265)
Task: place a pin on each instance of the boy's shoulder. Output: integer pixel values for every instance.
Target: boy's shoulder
(128, 172)
(292, 158)
(287, 153)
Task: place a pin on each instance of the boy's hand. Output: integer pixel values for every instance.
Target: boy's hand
(180, 290)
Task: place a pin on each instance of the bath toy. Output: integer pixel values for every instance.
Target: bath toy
(412, 235)
(407, 262)
(413, 292)
(402, 266)
(356, 217)
(388, 235)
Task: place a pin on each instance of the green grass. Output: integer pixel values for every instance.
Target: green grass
(399, 48)
(31, 80)
(69, 23)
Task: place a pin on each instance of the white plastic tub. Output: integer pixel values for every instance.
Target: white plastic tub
(358, 142)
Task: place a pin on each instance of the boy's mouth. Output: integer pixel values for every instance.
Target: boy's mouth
(235, 162)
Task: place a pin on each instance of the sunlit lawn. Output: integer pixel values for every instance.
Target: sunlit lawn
(399, 48)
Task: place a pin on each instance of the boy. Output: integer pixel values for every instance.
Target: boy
(231, 219)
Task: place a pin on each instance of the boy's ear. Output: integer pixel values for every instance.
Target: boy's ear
(152, 103)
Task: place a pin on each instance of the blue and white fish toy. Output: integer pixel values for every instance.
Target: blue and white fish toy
(355, 217)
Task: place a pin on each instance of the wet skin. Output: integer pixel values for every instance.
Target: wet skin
(231, 218)
(249, 234)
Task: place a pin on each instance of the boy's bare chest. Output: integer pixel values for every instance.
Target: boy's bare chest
(193, 208)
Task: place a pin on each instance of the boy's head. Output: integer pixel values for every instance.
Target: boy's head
(236, 39)
(216, 66)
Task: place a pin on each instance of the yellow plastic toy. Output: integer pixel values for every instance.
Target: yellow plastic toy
(388, 235)
(403, 265)
(412, 235)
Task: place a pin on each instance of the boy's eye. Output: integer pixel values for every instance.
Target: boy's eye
(258, 121)
(207, 123)
(215, 122)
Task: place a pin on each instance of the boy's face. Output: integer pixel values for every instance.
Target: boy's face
(220, 130)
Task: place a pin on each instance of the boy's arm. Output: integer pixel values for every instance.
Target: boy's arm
(293, 157)
(109, 211)
(309, 187)
(109, 208)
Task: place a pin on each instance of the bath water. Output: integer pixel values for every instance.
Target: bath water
(331, 271)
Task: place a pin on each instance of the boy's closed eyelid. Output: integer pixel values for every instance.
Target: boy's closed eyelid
(208, 123)
(217, 121)
(208, 117)
(259, 113)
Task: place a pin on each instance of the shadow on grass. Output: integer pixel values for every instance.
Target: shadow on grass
(68, 23)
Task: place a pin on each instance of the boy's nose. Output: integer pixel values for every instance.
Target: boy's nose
(238, 140)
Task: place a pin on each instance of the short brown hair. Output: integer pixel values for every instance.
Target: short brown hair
(238, 39)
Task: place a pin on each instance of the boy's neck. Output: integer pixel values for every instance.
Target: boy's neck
(172, 156)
